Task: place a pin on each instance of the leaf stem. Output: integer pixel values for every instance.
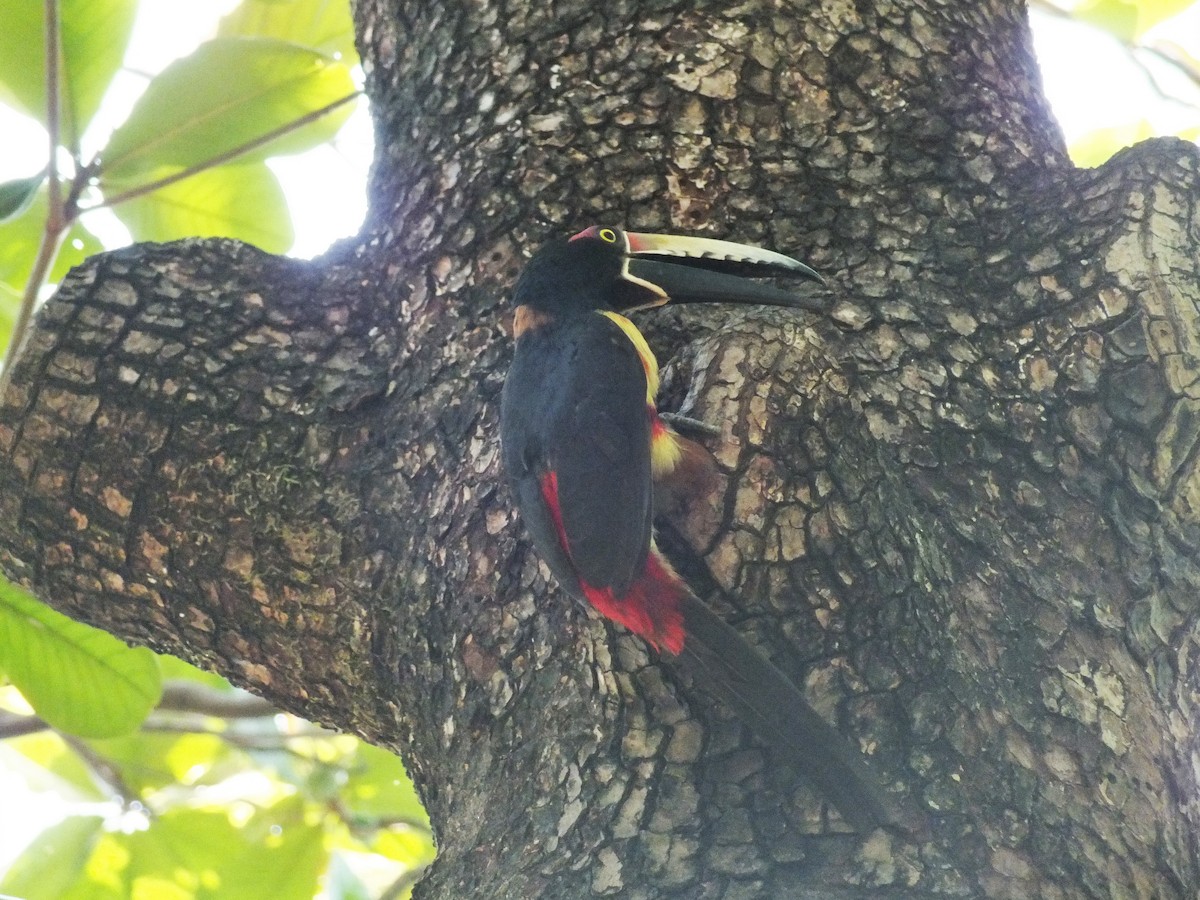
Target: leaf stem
(104, 771)
(222, 158)
(53, 113)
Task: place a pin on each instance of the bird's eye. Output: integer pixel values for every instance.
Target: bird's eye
(608, 235)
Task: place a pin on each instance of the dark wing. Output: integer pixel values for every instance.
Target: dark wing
(575, 405)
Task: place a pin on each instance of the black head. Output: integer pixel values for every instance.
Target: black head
(579, 275)
(607, 268)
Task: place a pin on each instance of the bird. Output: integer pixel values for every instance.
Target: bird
(583, 443)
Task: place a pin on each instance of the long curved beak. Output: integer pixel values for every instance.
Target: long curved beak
(706, 270)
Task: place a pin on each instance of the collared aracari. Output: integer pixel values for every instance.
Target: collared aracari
(583, 442)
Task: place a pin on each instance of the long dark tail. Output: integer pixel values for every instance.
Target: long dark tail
(767, 701)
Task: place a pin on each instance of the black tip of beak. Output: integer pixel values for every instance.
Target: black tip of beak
(723, 281)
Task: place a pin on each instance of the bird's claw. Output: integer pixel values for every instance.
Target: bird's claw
(686, 424)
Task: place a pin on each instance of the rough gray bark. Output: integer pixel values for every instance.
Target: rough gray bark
(965, 514)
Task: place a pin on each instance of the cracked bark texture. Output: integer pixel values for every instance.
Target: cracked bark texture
(963, 511)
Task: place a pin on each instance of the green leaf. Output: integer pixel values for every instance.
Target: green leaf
(210, 854)
(411, 847)
(1128, 20)
(379, 788)
(54, 861)
(20, 238)
(23, 58)
(1095, 147)
(238, 201)
(94, 34)
(174, 667)
(230, 93)
(46, 763)
(17, 196)
(149, 761)
(322, 25)
(1118, 17)
(342, 884)
(77, 246)
(1152, 12)
(79, 679)
(10, 305)
(307, 763)
(105, 873)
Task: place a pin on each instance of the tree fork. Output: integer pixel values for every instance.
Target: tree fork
(964, 514)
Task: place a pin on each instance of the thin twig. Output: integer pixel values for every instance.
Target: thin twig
(190, 697)
(1166, 54)
(53, 116)
(56, 216)
(13, 725)
(17, 725)
(270, 743)
(225, 157)
(361, 824)
(396, 889)
(106, 772)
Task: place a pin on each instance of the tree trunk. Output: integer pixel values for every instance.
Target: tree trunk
(963, 511)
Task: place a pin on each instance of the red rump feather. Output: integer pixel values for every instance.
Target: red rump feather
(651, 606)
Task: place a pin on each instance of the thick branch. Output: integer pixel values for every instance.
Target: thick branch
(968, 527)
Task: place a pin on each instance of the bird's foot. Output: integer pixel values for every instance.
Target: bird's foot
(686, 425)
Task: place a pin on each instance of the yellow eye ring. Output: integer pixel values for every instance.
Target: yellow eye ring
(608, 235)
